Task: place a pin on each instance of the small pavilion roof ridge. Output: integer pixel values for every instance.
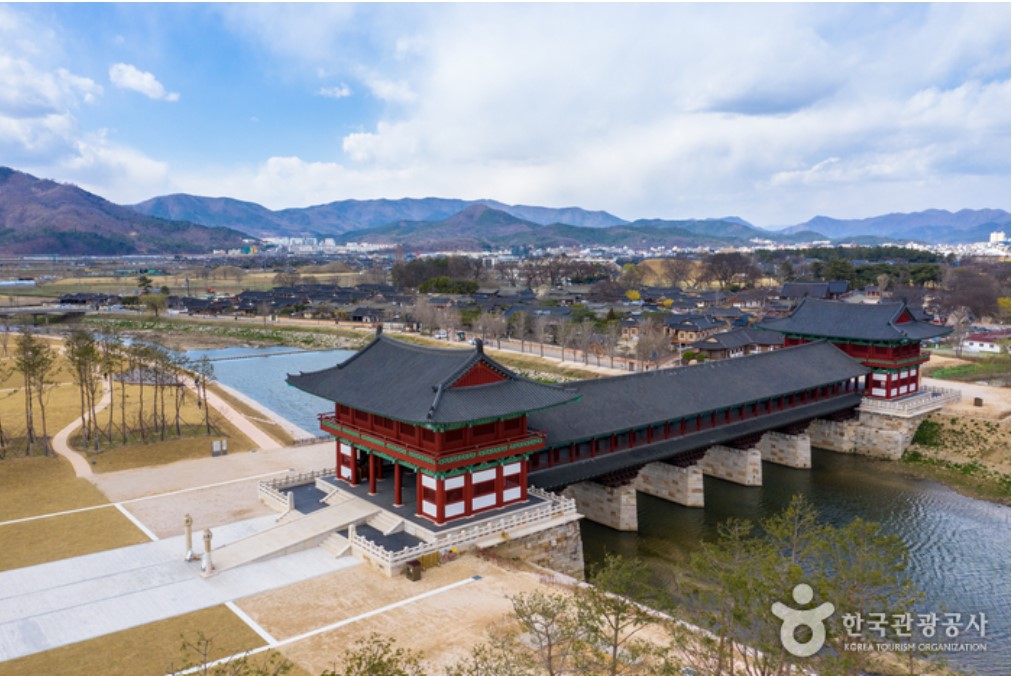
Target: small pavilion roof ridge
(415, 383)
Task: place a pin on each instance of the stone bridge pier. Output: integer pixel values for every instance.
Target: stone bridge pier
(613, 504)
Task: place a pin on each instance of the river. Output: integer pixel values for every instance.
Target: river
(959, 546)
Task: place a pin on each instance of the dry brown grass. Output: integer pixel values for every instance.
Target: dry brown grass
(61, 537)
(153, 648)
(62, 403)
(194, 443)
(32, 486)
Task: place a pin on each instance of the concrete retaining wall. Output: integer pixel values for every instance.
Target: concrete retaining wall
(559, 548)
(681, 485)
(792, 450)
(743, 467)
(612, 507)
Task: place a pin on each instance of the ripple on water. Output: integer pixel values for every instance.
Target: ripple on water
(959, 547)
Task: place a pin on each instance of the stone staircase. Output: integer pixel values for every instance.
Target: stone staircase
(302, 532)
(336, 545)
(386, 523)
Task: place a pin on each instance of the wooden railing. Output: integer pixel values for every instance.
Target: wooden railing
(477, 448)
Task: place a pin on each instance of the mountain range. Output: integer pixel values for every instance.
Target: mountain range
(39, 216)
(45, 217)
(933, 226)
(335, 218)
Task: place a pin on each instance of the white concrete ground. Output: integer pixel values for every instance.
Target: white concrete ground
(54, 604)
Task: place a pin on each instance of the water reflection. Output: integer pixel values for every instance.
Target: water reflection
(959, 547)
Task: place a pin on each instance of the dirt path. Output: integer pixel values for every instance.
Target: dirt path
(260, 439)
(997, 401)
(61, 442)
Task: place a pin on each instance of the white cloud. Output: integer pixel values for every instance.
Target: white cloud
(340, 91)
(126, 76)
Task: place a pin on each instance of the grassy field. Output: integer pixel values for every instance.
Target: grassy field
(32, 486)
(60, 537)
(977, 368)
(150, 649)
(970, 455)
(177, 283)
(195, 443)
(322, 335)
(61, 399)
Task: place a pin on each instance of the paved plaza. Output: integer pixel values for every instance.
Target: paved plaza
(54, 604)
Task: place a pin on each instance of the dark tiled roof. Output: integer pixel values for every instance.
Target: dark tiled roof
(838, 287)
(730, 340)
(413, 383)
(854, 321)
(693, 323)
(622, 402)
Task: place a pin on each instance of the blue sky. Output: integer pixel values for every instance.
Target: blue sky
(771, 112)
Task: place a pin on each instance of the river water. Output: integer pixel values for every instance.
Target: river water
(959, 547)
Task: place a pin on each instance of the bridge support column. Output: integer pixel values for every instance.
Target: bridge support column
(681, 485)
(743, 467)
(792, 450)
(608, 506)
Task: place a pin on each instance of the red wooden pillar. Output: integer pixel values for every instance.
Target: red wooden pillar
(468, 494)
(682, 427)
(614, 440)
(354, 466)
(523, 475)
(650, 434)
(372, 474)
(572, 455)
(418, 492)
(593, 453)
(397, 485)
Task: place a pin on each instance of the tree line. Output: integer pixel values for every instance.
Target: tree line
(104, 366)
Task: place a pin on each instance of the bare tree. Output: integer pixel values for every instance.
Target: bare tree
(652, 345)
(610, 339)
(539, 327)
(205, 372)
(724, 267)
(676, 271)
(287, 278)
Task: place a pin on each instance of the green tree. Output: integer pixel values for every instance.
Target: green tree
(857, 567)
(144, 283)
(378, 655)
(35, 360)
(499, 655)
(83, 355)
(838, 268)
(615, 609)
(155, 302)
(552, 622)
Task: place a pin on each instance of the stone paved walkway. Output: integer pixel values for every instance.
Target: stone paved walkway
(54, 604)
